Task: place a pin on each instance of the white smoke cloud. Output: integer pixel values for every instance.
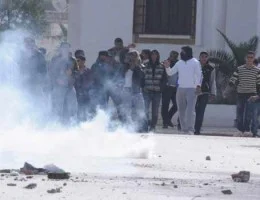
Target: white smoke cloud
(25, 136)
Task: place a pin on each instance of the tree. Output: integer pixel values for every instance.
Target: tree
(25, 14)
(226, 62)
(229, 61)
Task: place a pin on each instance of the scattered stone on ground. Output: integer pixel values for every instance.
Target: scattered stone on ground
(242, 176)
(227, 192)
(172, 182)
(58, 176)
(54, 191)
(205, 184)
(208, 158)
(14, 173)
(29, 177)
(163, 184)
(31, 186)
(64, 184)
(11, 184)
(175, 186)
(5, 171)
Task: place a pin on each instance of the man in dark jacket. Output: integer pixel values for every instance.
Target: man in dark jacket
(169, 93)
(83, 86)
(154, 81)
(118, 48)
(33, 67)
(208, 90)
(101, 71)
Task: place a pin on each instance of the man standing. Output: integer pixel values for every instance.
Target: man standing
(169, 93)
(247, 80)
(208, 90)
(33, 68)
(116, 50)
(83, 86)
(154, 81)
(62, 74)
(133, 108)
(100, 71)
(189, 84)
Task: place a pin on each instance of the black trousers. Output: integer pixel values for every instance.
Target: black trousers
(200, 108)
(168, 95)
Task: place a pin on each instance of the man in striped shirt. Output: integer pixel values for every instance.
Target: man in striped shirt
(247, 80)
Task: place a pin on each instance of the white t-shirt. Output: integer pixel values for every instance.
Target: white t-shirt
(128, 78)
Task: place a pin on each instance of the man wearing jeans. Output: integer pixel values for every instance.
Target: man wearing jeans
(189, 82)
(254, 103)
(247, 80)
(169, 94)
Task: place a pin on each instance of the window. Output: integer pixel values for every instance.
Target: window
(165, 19)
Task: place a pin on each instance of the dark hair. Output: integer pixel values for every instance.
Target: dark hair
(158, 56)
(174, 52)
(204, 53)
(118, 40)
(146, 51)
(251, 53)
(188, 51)
(79, 52)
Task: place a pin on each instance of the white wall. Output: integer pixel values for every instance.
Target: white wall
(101, 22)
(94, 24)
(241, 21)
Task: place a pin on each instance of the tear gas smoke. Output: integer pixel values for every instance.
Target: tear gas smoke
(24, 135)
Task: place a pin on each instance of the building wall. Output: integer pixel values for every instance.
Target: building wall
(93, 27)
(241, 22)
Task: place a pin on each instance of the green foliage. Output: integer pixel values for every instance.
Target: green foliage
(25, 14)
(229, 61)
(226, 62)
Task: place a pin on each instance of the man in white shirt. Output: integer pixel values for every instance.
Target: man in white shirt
(189, 86)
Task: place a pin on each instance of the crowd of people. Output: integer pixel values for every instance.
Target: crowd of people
(137, 83)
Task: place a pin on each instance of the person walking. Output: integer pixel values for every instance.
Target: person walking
(169, 93)
(208, 91)
(154, 82)
(247, 81)
(189, 85)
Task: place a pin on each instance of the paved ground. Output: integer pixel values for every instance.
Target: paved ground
(176, 169)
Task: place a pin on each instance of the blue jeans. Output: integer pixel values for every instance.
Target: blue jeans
(245, 113)
(153, 98)
(255, 121)
(133, 111)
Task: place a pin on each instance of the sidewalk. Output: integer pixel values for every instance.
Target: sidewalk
(207, 131)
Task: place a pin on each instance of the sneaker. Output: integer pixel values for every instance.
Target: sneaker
(190, 133)
(248, 134)
(170, 124)
(165, 126)
(238, 134)
(196, 133)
